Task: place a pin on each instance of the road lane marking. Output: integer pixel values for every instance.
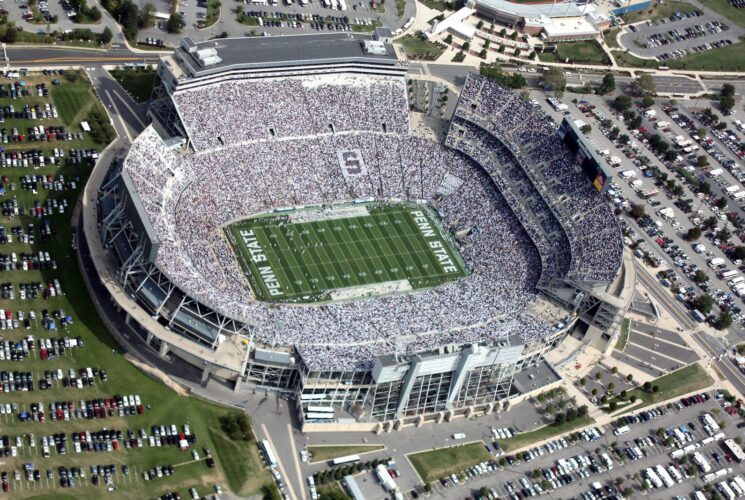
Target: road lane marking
(296, 463)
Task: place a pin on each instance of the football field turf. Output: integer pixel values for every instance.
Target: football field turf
(327, 258)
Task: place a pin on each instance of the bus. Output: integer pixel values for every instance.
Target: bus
(312, 397)
(734, 449)
(269, 455)
(349, 459)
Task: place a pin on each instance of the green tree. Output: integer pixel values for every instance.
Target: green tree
(583, 381)
(586, 128)
(147, 16)
(710, 223)
(723, 321)
(554, 79)
(637, 211)
(647, 102)
(622, 103)
(599, 376)
(726, 103)
(700, 276)
(608, 84)
(106, 35)
(727, 90)
(466, 46)
(647, 386)
(613, 406)
(704, 303)
(11, 33)
(175, 23)
(693, 233)
(633, 398)
(449, 39)
(643, 85)
(724, 234)
(702, 161)
(629, 377)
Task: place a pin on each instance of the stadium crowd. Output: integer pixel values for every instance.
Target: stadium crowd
(247, 110)
(266, 152)
(487, 111)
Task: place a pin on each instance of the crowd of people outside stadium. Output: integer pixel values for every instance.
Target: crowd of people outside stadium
(290, 156)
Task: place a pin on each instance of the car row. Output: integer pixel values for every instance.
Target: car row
(28, 112)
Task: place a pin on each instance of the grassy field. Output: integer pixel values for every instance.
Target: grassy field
(576, 52)
(726, 9)
(100, 350)
(731, 58)
(213, 12)
(689, 379)
(549, 431)
(657, 11)
(289, 260)
(324, 453)
(138, 84)
(624, 338)
(331, 490)
(432, 465)
(416, 48)
(610, 38)
(73, 101)
(400, 7)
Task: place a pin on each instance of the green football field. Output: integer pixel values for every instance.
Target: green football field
(331, 258)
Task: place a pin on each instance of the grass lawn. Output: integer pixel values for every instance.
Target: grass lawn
(610, 38)
(400, 7)
(100, 350)
(73, 101)
(731, 58)
(432, 465)
(416, 48)
(439, 5)
(331, 490)
(527, 438)
(138, 84)
(577, 52)
(213, 12)
(659, 10)
(624, 338)
(688, 379)
(726, 9)
(244, 472)
(324, 453)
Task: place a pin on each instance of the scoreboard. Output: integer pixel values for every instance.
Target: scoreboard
(590, 163)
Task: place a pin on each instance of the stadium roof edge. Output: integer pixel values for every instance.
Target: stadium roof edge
(289, 50)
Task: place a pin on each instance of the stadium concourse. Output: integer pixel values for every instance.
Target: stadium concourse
(257, 137)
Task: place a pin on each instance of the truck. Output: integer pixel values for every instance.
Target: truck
(715, 173)
(716, 262)
(738, 195)
(459, 435)
(649, 193)
(385, 478)
(628, 174)
(621, 430)
(731, 189)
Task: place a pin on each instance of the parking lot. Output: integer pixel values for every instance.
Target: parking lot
(671, 38)
(617, 459)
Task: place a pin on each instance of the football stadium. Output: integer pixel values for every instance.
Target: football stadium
(280, 225)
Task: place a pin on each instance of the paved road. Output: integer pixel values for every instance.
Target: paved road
(456, 74)
(47, 56)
